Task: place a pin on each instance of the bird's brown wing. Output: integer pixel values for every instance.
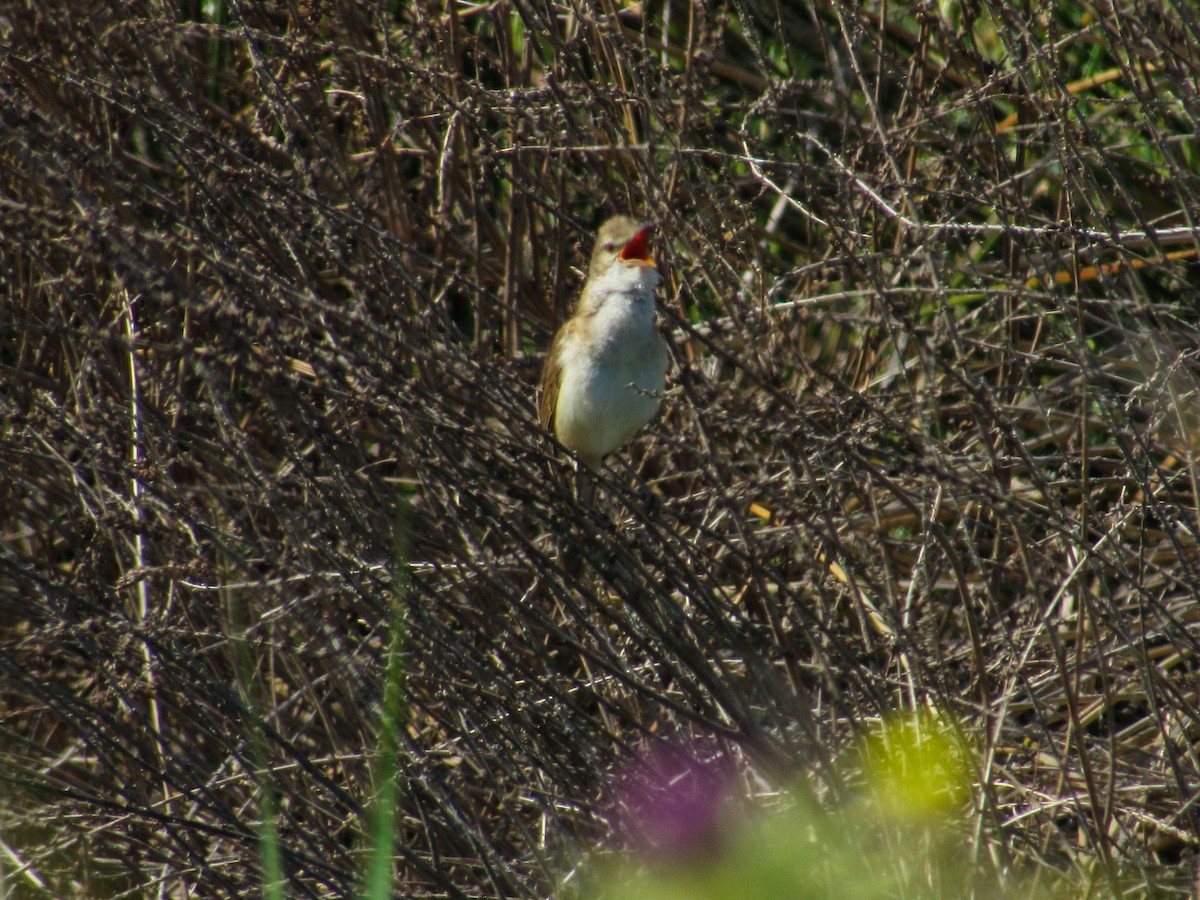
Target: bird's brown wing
(551, 376)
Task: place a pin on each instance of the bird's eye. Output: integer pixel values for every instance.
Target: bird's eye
(610, 246)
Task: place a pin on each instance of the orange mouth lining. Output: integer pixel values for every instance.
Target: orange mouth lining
(636, 248)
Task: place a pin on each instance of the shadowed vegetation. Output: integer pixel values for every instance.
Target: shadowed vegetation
(275, 281)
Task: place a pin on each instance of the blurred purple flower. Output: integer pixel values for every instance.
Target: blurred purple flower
(674, 803)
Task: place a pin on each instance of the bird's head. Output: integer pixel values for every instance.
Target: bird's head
(621, 257)
(621, 238)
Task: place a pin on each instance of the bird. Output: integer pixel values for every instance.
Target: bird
(604, 375)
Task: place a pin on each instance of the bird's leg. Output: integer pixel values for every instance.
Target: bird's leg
(585, 485)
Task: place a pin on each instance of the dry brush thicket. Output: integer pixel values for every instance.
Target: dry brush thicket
(276, 278)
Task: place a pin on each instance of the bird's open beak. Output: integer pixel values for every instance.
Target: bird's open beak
(637, 250)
